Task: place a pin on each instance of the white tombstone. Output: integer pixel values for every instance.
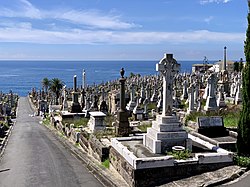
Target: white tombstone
(65, 103)
(166, 131)
(211, 103)
(131, 105)
(96, 121)
(191, 99)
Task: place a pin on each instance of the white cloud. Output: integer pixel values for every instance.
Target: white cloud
(87, 18)
(203, 2)
(208, 19)
(76, 36)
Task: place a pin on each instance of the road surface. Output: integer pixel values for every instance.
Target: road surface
(35, 157)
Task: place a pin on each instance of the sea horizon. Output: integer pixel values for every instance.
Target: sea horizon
(22, 76)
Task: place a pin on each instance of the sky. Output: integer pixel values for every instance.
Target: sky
(122, 29)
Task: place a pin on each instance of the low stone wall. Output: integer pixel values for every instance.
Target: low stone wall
(101, 152)
(157, 175)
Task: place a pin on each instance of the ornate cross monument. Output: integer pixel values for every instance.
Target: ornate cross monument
(166, 131)
(168, 67)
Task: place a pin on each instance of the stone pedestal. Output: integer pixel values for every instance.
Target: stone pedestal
(165, 133)
(96, 121)
(75, 106)
(122, 128)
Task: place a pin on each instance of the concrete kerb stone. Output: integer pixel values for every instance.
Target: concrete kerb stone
(224, 180)
(5, 141)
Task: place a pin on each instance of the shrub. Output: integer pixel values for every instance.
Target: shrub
(242, 161)
(180, 155)
(105, 163)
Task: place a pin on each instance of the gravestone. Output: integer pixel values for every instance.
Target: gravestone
(75, 105)
(131, 105)
(65, 103)
(211, 104)
(96, 121)
(166, 131)
(211, 126)
(122, 128)
(138, 111)
(191, 99)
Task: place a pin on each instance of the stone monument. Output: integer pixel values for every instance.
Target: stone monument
(211, 103)
(75, 106)
(166, 131)
(122, 128)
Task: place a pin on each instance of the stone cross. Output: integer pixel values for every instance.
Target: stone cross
(168, 67)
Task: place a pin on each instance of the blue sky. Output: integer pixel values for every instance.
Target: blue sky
(122, 30)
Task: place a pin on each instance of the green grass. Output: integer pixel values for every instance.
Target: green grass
(152, 106)
(107, 133)
(46, 121)
(82, 122)
(108, 120)
(144, 127)
(105, 163)
(230, 117)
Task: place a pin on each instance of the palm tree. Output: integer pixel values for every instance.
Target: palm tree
(45, 84)
(55, 86)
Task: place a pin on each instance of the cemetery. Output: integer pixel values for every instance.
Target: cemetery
(8, 106)
(151, 129)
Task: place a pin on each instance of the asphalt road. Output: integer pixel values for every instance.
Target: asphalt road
(35, 157)
(242, 182)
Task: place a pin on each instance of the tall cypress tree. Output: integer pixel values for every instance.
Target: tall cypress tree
(243, 139)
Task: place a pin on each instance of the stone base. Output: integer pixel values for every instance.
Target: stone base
(75, 108)
(123, 128)
(165, 133)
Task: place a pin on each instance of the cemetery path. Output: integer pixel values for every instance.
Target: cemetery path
(34, 157)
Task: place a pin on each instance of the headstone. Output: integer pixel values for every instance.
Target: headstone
(166, 131)
(65, 102)
(220, 100)
(131, 105)
(191, 99)
(122, 128)
(75, 105)
(185, 92)
(238, 98)
(138, 111)
(96, 121)
(211, 104)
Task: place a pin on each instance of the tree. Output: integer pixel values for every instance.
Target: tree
(45, 84)
(55, 86)
(243, 139)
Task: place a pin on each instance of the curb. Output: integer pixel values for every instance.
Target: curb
(5, 142)
(224, 180)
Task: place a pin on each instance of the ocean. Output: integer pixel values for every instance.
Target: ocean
(22, 76)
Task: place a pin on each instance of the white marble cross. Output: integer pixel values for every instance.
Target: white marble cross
(168, 67)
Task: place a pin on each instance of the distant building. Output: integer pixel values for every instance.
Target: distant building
(218, 66)
(201, 67)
